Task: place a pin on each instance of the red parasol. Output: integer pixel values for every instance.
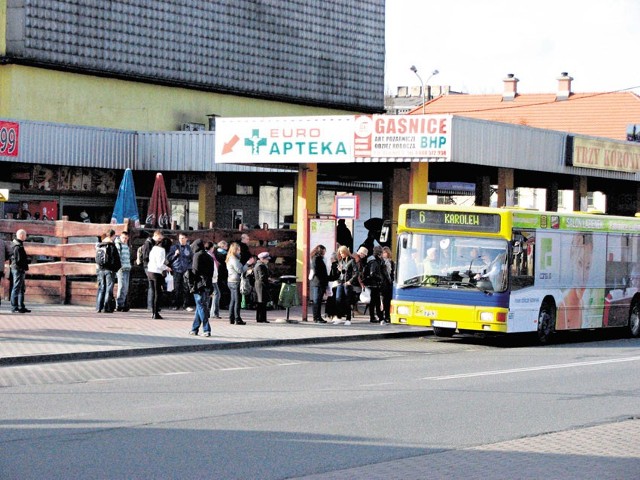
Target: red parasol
(159, 214)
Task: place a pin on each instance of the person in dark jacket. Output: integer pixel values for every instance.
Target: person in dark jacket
(221, 255)
(202, 270)
(261, 286)
(19, 267)
(372, 277)
(318, 281)
(180, 258)
(106, 273)
(5, 254)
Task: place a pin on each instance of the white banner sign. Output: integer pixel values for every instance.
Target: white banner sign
(327, 139)
(403, 136)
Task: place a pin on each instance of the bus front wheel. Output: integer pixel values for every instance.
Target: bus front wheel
(634, 320)
(546, 323)
(443, 332)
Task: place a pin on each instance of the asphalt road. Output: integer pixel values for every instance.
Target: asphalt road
(287, 412)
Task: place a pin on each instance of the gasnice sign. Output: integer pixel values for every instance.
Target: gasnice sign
(285, 140)
(403, 136)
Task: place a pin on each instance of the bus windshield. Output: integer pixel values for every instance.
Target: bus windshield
(438, 261)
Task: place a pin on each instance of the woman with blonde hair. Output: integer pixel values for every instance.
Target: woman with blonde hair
(346, 281)
(234, 270)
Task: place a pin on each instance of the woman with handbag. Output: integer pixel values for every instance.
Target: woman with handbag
(156, 271)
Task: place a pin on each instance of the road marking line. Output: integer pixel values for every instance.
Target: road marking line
(533, 369)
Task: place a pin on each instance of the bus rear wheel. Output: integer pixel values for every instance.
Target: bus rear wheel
(634, 320)
(443, 332)
(546, 323)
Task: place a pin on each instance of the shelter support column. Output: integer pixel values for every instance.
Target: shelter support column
(418, 182)
(397, 195)
(579, 194)
(483, 191)
(505, 187)
(306, 195)
(552, 196)
(207, 188)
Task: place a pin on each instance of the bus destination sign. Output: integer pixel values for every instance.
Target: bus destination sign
(462, 221)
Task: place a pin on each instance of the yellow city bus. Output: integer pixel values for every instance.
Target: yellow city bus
(504, 270)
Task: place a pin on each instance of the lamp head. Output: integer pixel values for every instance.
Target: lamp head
(413, 69)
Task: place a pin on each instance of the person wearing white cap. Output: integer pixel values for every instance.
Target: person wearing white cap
(261, 273)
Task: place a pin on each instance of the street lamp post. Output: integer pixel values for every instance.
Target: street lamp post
(415, 70)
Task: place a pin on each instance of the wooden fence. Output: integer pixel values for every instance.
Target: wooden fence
(62, 253)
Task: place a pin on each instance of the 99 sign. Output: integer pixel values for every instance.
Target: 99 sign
(9, 139)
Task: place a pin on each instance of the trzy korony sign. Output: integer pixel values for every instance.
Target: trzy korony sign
(332, 139)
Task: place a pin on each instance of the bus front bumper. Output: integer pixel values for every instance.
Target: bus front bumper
(457, 317)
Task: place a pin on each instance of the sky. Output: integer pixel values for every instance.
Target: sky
(474, 44)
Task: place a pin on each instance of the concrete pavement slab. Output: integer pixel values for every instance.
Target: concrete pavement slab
(69, 332)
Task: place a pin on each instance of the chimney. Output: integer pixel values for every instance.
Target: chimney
(510, 88)
(564, 87)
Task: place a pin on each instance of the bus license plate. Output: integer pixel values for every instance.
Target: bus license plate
(443, 324)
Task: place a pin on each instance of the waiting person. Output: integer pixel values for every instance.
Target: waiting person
(319, 279)
(343, 234)
(390, 269)
(107, 264)
(261, 286)
(221, 255)
(348, 271)
(372, 277)
(234, 270)
(124, 274)
(202, 269)
(19, 268)
(245, 253)
(214, 311)
(147, 246)
(5, 254)
(180, 259)
(331, 310)
(157, 269)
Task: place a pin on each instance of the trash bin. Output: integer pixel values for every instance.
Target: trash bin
(288, 293)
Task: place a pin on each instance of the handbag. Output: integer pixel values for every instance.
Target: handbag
(169, 281)
(365, 296)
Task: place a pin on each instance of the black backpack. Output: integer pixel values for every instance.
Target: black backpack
(372, 273)
(107, 257)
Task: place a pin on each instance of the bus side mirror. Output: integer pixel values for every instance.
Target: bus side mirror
(517, 248)
(385, 231)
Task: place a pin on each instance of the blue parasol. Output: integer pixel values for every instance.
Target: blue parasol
(126, 206)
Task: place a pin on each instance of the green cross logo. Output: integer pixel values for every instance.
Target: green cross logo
(255, 142)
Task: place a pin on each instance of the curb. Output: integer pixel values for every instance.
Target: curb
(149, 351)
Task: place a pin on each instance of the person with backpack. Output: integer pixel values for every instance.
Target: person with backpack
(372, 278)
(107, 264)
(123, 275)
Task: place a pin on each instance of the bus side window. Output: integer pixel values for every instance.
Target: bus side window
(522, 261)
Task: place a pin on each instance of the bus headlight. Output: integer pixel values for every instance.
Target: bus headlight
(404, 310)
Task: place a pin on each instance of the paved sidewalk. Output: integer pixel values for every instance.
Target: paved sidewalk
(69, 332)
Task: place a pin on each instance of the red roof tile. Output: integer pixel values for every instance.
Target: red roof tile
(595, 114)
